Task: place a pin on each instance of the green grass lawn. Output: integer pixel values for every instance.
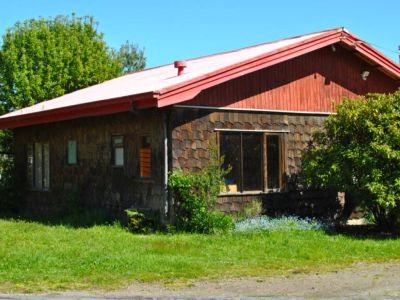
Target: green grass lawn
(36, 257)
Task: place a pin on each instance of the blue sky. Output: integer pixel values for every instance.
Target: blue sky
(181, 29)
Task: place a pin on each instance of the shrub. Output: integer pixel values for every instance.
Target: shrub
(359, 152)
(194, 202)
(10, 188)
(195, 196)
(140, 222)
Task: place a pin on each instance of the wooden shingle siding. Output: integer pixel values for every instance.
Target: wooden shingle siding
(193, 130)
(94, 181)
(310, 83)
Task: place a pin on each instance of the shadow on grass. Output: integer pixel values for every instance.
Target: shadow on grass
(83, 219)
(87, 219)
(368, 231)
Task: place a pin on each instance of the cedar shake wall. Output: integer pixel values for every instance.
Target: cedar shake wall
(94, 183)
(193, 129)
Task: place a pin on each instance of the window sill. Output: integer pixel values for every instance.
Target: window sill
(37, 190)
(250, 193)
(144, 180)
(117, 167)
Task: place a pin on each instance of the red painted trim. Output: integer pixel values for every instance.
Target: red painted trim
(372, 53)
(98, 108)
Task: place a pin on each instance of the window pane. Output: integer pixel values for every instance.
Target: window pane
(29, 166)
(46, 167)
(273, 161)
(252, 161)
(118, 150)
(118, 156)
(38, 162)
(230, 149)
(72, 152)
(118, 140)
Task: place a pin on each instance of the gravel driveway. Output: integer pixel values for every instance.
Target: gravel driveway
(360, 281)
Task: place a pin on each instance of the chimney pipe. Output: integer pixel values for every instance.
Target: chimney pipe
(180, 65)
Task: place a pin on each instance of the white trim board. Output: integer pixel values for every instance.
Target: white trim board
(253, 130)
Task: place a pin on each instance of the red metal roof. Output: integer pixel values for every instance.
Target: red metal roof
(161, 86)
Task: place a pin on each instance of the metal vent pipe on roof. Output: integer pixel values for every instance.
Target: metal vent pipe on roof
(180, 65)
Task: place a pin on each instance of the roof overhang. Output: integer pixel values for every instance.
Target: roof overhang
(99, 108)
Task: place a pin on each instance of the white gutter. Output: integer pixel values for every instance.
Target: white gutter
(256, 110)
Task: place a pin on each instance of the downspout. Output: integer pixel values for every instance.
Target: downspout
(166, 197)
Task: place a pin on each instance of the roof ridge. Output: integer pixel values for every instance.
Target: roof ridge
(239, 49)
(265, 43)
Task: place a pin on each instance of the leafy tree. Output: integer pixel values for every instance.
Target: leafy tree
(359, 152)
(42, 59)
(130, 58)
(45, 58)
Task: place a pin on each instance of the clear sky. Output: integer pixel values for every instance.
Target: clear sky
(170, 30)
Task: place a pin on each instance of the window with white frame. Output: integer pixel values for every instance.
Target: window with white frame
(72, 152)
(38, 166)
(118, 151)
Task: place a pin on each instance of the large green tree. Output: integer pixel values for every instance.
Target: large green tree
(42, 59)
(45, 58)
(359, 152)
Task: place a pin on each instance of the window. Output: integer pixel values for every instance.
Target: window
(38, 166)
(273, 162)
(72, 150)
(230, 148)
(252, 161)
(255, 159)
(145, 158)
(118, 151)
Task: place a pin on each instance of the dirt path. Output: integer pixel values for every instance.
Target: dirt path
(365, 280)
(360, 281)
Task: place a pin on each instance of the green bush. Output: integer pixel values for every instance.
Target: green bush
(140, 222)
(359, 152)
(10, 187)
(195, 195)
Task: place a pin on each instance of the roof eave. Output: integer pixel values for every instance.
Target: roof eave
(372, 54)
(98, 108)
